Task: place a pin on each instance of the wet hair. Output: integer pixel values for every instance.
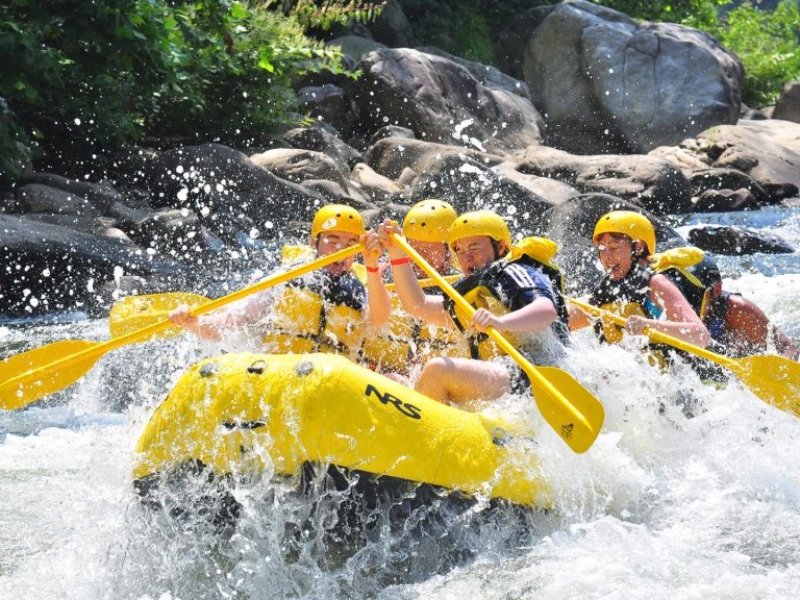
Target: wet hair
(707, 272)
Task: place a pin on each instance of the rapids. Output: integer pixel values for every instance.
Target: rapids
(690, 492)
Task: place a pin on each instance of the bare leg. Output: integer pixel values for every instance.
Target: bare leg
(459, 380)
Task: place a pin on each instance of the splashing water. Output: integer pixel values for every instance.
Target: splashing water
(691, 491)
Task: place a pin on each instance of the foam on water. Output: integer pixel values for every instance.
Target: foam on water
(690, 492)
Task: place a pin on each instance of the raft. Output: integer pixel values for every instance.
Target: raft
(247, 414)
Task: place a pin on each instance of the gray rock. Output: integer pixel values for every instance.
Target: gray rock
(788, 106)
(440, 98)
(38, 198)
(606, 83)
(737, 241)
(646, 181)
(325, 140)
(725, 200)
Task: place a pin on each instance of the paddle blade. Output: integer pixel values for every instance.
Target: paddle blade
(572, 411)
(25, 377)
(136, 312)
(774, 379)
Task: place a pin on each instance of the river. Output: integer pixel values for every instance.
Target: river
(690, 492)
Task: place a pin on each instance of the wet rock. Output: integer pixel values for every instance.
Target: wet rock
(392, 131)
(377, 187)
(391, 156)
(727, 179)
(392, 26)
(228, 191)
(726, 200)
(100, 195)
(329, 104)
(53, 268)
(737, 241)
(38, 198)
(298, 165)
(326, 140)
(754, 148)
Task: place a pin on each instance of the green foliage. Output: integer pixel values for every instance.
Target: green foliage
(768, 45)
(697, 13)
(89, 77)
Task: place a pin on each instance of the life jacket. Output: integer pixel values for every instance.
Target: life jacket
(317, 313)
(676, 264)
(482, 290)
(626, 297)
(405, 339)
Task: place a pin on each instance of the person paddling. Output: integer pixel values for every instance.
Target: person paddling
(322, 311)
(400, 347)
(738, 327)
(511, 295)
(625, 240)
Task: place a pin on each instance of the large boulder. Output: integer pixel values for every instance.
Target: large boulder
(644, 180)
(442, 101)
(607, 83)
(54, 268)
(755, 148)
(228, 191)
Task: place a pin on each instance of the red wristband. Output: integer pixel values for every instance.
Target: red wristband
(399, 261)
(372, 269)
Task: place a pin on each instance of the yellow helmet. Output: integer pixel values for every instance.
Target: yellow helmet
(337, 217)
(627, 222)
(429, 221)
(480, 222)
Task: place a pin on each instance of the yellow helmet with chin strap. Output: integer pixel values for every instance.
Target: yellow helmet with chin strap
(429, 221)
(337, 217)
(627, 222)
(479, 222)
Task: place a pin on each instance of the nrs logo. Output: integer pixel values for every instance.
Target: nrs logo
(408, 410)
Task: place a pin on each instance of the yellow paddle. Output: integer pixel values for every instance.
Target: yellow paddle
(134, 312)
(568, 407)
(29, 376)
(774, 379)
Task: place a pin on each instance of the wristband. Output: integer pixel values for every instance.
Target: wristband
(372, 269)
(399, 261)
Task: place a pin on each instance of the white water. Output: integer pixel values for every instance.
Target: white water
(662, 506)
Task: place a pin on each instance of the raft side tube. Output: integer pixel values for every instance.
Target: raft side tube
(242, 413)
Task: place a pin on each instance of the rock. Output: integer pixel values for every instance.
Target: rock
(468, 184)
(54, 268)
(229, 192)
(391, 156)
(488, 75)
(737, 241)
(725, 200)
(392, 131)
(329, 104)
(727, 179)
(788, 106)
(325, 140)
(609, 84)
(749, 147)
(441, 99)
(644, 180)
(377, 187)
(38, 198)
(100, 195)
(298, 165)
(392, 26)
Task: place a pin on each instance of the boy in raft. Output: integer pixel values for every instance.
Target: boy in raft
(624, 241)
(738, 327)
(321, 311)
(401, 346)
(513, 296)
(425, 227)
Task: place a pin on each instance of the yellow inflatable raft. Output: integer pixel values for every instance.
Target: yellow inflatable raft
(251, 413)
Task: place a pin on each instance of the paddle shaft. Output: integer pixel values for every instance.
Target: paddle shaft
(101, 348)
(496, 336)
(661, 338)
